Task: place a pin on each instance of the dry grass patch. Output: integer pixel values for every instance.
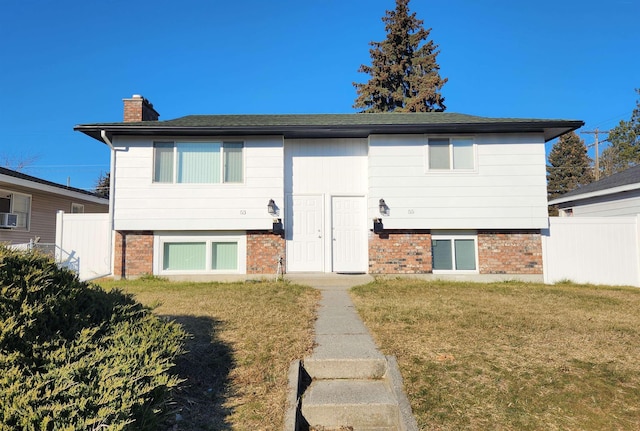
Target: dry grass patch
(511, 356)
(244, 336)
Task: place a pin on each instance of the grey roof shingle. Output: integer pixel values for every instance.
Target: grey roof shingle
(20, 175)
(332, 125)
(627, 177)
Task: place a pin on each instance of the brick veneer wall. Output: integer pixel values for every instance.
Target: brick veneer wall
(510, 253)
(400, 252)
(263, 250)
(409, 252)
(133, 254)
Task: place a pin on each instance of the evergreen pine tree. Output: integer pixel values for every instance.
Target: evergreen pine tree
(624, 151)
(103, 185)
(568, 166)
(404, 74)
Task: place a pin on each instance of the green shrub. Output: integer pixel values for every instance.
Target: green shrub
(75, 357)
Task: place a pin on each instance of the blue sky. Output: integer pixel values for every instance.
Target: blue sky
(69, 62)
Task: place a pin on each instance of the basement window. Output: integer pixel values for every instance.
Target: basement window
(223, 253)
(454, 253)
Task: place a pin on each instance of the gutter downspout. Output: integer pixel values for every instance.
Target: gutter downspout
(112, 181)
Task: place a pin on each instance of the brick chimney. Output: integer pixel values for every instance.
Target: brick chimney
(137, 108)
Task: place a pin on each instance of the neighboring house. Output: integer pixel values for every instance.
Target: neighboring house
(615, 195)
(28, 206)
(390, 193)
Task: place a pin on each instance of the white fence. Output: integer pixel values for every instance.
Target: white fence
(87, 238)
(596, 250)
(61, 257)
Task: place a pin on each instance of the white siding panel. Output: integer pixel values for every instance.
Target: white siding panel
(622, 204)
(141, 204)
(506, 190)
(438, 192)
(327, 166)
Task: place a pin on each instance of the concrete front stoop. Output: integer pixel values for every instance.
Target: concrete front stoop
(346, 383)
(375, 404)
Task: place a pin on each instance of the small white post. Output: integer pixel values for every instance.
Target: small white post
(59, 234)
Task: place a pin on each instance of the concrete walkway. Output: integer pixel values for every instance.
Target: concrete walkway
(352, 383)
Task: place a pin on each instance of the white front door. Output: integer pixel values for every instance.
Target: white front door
(304, 233)
(349, 234)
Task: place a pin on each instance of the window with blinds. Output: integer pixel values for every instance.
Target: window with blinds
(454, 253)
(198, 162)
(451, 154)
(182, 254)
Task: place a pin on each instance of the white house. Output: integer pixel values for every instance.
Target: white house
(390, 193)
(615, 195)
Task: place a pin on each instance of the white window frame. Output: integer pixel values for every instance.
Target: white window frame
(451, 168)
(452, 236)
(566, 212)
(12, 210)
(160, 238)
(222, 143)
(77, 208)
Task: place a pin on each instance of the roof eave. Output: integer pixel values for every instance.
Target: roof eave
(595, 194)
(550, 129)
(50, 187)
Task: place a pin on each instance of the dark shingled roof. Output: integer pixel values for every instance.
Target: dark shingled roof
(628, 177)
(20, 175)
(331, 125)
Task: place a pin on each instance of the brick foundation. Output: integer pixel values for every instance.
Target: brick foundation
(263, 250)
(133, 254)
(400, 252)
(393, 252)
(510, 253)
(409, 252)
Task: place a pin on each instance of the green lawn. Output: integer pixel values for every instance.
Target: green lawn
(511, 356)
(243, 338)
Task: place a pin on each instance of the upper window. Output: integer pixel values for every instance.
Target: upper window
(198, 162)
(451, 154)
(18, 204)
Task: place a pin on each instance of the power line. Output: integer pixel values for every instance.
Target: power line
(67, 166)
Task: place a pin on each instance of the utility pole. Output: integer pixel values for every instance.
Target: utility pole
(595, 133)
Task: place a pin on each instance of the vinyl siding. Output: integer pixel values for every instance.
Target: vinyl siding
(141, 204)
(44, 206)
(620, 204)
(326, 166)
(506, 190)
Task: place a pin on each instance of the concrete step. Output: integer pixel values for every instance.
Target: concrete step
(362, 404)
(345, 368)
(346, 356)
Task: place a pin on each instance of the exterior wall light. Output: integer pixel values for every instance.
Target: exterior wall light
(382, 207)
(272, 208)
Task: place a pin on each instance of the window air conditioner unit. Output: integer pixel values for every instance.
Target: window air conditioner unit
(8, 220)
